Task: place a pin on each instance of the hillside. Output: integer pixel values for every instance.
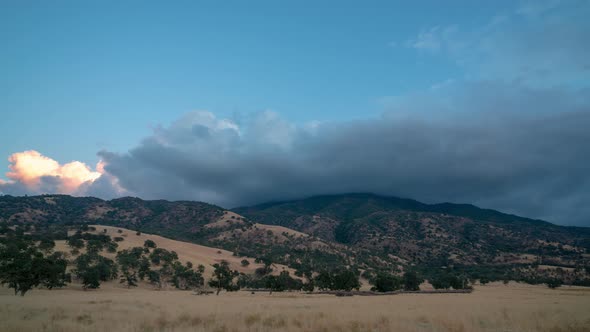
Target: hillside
(367, 232)
(187, 252)
(194, 222)
(429, 235)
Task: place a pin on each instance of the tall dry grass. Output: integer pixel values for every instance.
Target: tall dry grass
(490, 308)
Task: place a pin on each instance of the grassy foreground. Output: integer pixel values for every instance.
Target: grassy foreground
(494, 307)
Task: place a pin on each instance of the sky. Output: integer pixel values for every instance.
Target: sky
(237, 103)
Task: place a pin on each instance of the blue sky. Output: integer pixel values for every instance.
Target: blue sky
(492, 96)
(80, 76)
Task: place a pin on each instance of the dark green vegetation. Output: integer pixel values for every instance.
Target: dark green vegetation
(459, 239)
(27, 260)
(375, 237)
(346, 280)
(223, 278)
(25, 264)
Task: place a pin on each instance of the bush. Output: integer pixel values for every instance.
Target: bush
(185, 277)
(245, 262)
(337, 280)
(149, 244)
(554, 283)
(447, 280)
(23, 266)
(92, 269)
(223, 277)
(283, 282)
(385, 282)
(411, 281)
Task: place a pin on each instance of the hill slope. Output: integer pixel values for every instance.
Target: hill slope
(187, 252)
(435, 235)
(364, 231)
(194, 222)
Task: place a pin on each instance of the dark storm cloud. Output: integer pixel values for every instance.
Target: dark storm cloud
(519, 152)
(515, 136)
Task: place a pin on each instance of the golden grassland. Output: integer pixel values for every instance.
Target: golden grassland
(187, 252)
(494, 307)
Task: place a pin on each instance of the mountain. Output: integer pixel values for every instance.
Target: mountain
(195, 222)
(424, 234)
(364, 231)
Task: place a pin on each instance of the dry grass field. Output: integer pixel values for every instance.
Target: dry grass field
(187, 252)
(494, 307)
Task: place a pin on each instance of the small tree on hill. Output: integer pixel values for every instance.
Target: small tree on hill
(440, 282)
(448, 280)
(185, 277)
(46, 245)
(154, 278)
(130, 261)
(411, 281)
(338, 280)
(91, 269)
(23, 266)
(223, 277)
(385, 282)
(149, 244)
(54, 271)
(75, 243)
(308, 286)
(554, 283)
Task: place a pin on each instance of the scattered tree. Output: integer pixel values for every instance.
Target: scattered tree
(385, 282)
(149, 244)
(338, 280)
(554, 283)
(223, 277)
(23, 266)
(184, 277)
(411, 281)
(46, 245)
(91, 269)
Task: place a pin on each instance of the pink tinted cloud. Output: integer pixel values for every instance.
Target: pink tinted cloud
(30, 167)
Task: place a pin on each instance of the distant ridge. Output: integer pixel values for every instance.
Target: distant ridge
(367, 231)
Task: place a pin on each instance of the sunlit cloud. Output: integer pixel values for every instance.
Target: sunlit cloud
(31, 169)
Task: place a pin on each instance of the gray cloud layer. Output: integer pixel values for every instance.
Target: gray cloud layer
(514, 136)
(525, 151)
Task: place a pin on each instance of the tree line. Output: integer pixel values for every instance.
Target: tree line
(28, 261)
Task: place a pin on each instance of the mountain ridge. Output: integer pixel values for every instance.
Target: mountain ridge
(444, 207)
(366, 231)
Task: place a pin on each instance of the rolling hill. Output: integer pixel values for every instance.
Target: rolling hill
(364, 231)
(437, 235)
(187, 252)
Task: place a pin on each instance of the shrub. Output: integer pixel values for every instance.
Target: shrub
(385, 282)
(554, 283)
(223, 277)
(337, 280)
(411, 281)
(93, 268)
(149, 244)
(23, 266)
